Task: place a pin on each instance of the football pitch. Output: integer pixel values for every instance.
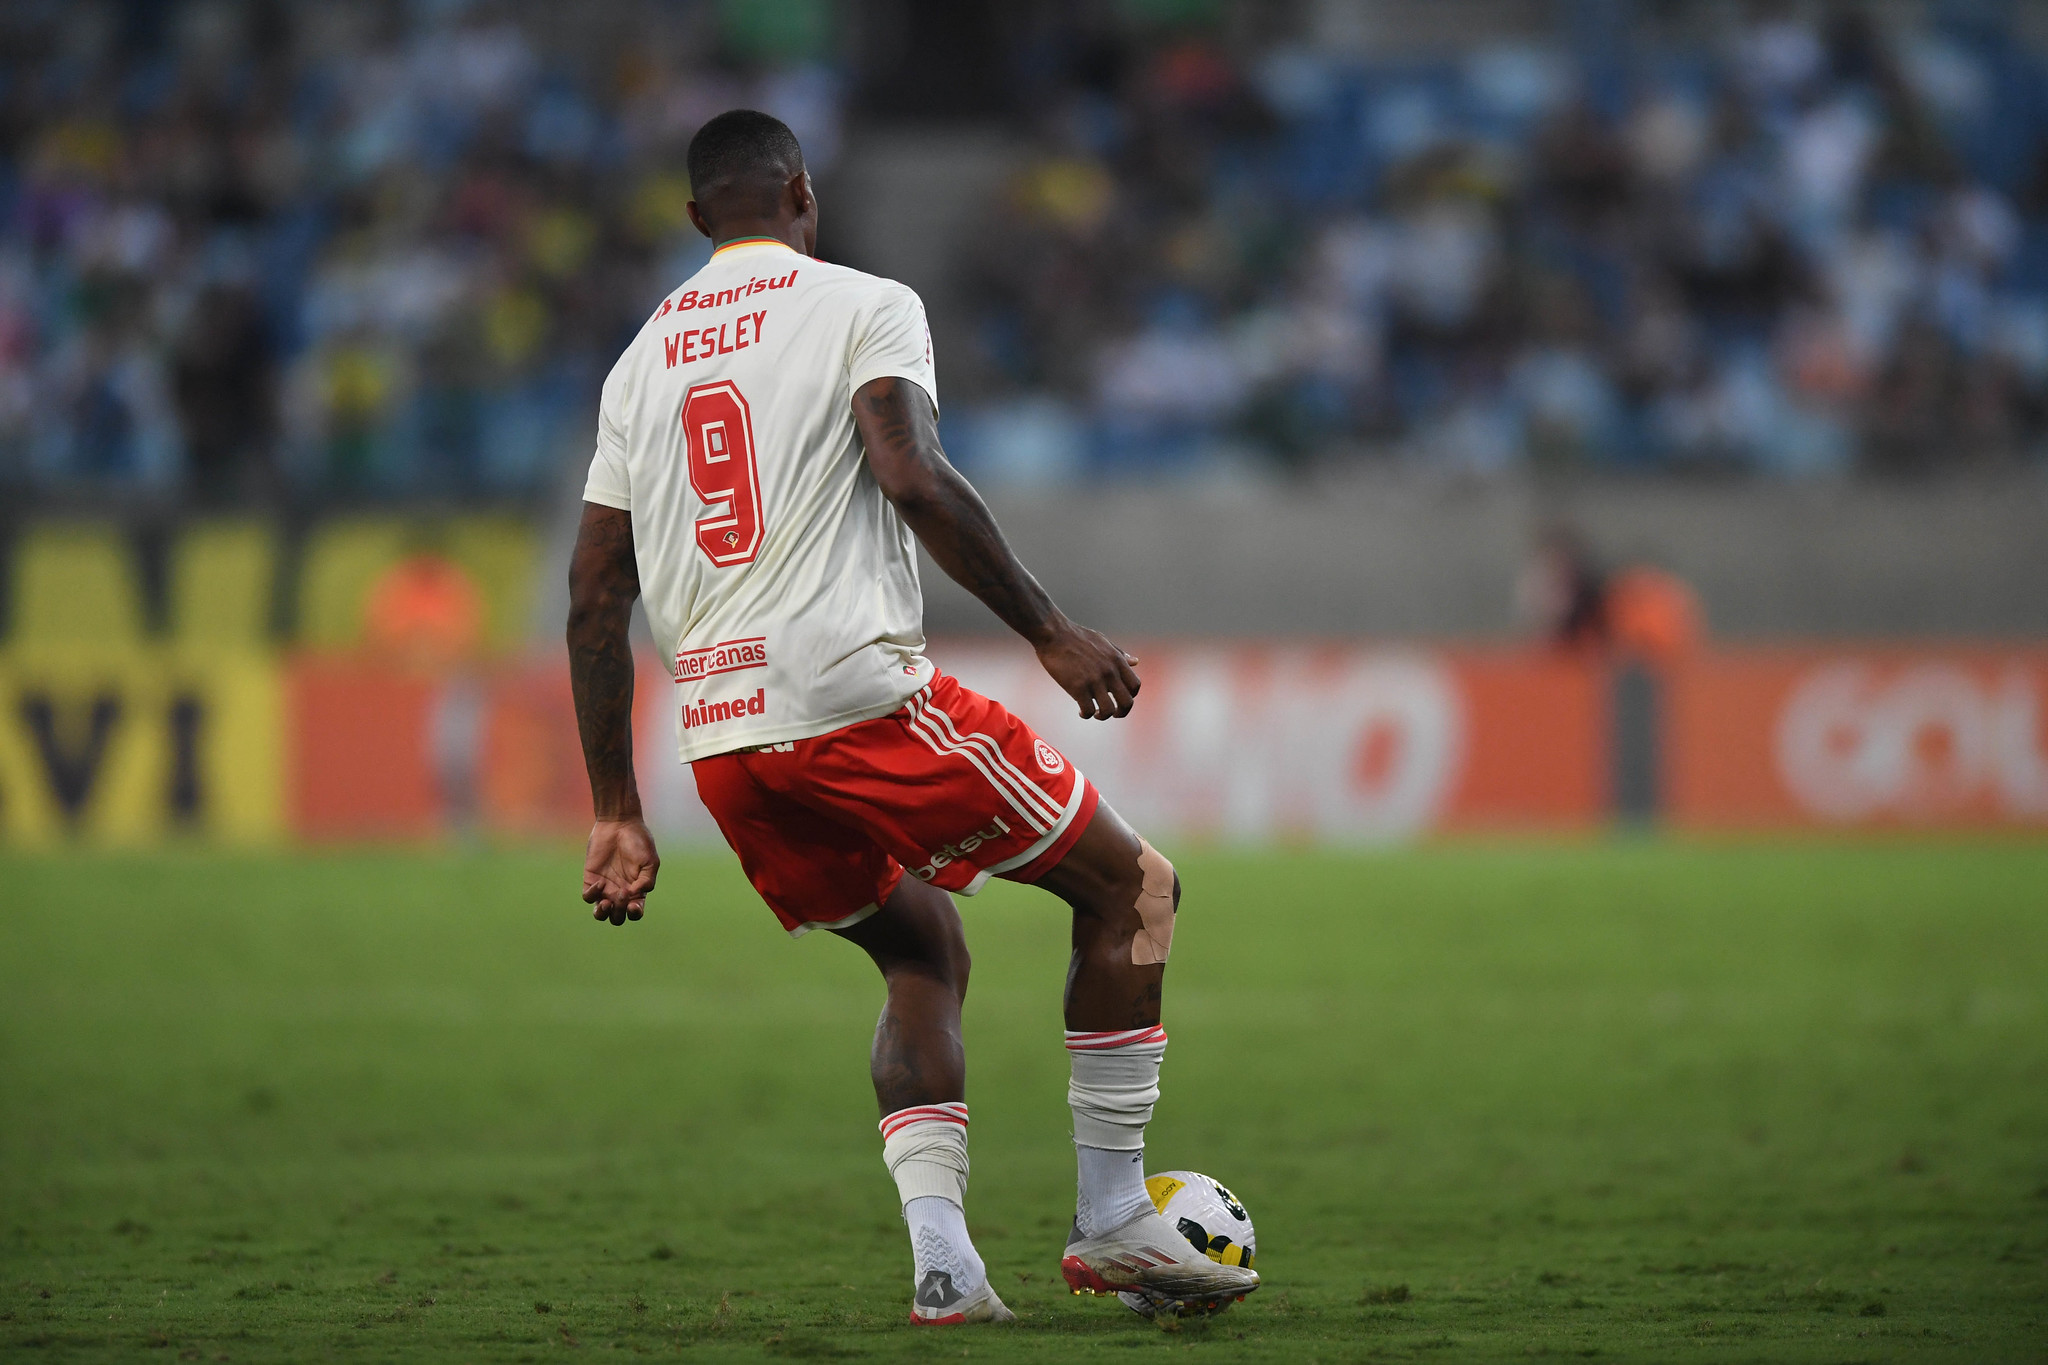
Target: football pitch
(1624, 1101)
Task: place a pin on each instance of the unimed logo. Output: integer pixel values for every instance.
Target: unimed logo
(1925, 741)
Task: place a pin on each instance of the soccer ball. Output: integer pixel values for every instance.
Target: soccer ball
(1210, 1217)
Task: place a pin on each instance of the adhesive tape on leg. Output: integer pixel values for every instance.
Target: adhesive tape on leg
(1154, 938)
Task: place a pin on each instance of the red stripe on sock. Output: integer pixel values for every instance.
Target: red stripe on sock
(924, 1113)
(1101, 1042)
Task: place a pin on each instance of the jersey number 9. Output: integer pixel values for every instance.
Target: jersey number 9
(719, 431)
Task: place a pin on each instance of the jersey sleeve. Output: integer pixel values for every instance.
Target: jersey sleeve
(895, 340)
(608, 484)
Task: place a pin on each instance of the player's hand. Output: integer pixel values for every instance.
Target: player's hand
(619, 869)
(1102, 679)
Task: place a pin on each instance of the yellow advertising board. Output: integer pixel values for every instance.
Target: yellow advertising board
(132, 746)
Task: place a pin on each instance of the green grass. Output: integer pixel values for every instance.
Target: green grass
(1627, 1102)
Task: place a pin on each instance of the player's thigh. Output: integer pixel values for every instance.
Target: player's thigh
(955, 786)
(814, 872)
(917, 928)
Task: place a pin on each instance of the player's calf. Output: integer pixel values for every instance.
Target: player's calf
(1125, 896)
(920, 1076)
(925, 1148)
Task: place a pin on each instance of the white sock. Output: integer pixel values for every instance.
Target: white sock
(1112, 1188)
(1115, 1084)
(939, 1241)
(925, 1148)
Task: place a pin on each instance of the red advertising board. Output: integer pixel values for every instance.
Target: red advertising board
(1878, 738)
(1248, 741)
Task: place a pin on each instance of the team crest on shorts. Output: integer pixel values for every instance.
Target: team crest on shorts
(1049, 758)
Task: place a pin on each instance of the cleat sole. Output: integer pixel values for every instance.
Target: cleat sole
(1082, 1279)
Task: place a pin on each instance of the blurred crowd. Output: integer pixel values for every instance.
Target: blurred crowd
(1792, 241)
(258, 251)
(253, 250)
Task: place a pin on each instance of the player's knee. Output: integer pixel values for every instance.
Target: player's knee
(943, 954)
(1138, 907)
(958, 964)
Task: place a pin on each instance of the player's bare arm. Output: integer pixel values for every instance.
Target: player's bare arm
(943, 510)
(604, 579)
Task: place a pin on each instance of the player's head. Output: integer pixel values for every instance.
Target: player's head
(747, 175)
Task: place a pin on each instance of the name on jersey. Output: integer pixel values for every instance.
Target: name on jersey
(713, 712)
(701, 343)
(729, 657)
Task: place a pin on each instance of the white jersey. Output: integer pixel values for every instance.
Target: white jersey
(778, 579)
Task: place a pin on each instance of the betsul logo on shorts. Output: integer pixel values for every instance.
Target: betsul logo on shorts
(995, 829)
(1049, 758)
(1927, 741)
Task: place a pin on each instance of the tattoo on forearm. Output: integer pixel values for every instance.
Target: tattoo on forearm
(604, 580)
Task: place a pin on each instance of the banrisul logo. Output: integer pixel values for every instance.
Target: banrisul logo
(719, 298)
(717, 712)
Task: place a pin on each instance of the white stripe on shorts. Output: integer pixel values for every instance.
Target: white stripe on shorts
(1032, 805)
(1046, 807)
(1059, 827)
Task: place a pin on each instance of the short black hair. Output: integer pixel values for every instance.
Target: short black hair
(742, 154)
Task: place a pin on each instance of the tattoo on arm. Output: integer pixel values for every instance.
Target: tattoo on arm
(942, 508)
(604, 579)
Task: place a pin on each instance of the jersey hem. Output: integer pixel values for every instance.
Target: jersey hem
(618, 502)
(811, 729)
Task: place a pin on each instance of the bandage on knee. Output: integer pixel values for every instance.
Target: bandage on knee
(925, 1148)
(1154, 938)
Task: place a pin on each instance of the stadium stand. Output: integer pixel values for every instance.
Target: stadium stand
(321, 264)
(339, 252)
(1803, 242)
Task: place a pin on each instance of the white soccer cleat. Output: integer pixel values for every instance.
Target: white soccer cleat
(939, 1304)
(1149, 1253)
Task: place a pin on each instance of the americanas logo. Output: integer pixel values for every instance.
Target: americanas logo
(729, 656)
(1049, 758)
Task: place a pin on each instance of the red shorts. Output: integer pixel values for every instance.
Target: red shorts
(952, 788)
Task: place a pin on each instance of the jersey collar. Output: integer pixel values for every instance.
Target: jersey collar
(737, 242)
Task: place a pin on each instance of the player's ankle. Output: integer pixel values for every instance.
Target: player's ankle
(940, 1245)
(1115, 1084)
(1110, 1188)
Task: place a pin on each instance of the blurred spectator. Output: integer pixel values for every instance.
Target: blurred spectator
(256, 248)
(264, 249)
(1562, 593)
(1805, 249)
(424, 613)
(1641, 611)
(222, 377)
(1653, 614)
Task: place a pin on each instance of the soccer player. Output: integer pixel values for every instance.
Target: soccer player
(767, 446)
